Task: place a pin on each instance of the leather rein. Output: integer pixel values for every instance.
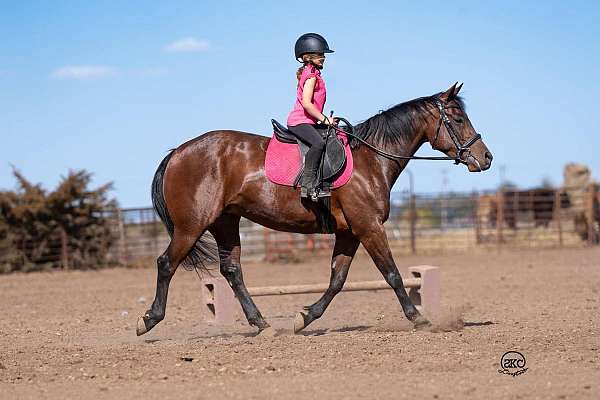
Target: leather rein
(460, 148)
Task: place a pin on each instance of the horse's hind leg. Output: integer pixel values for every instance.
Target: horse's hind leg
(343, 253)
(167, 263)
(226, 230)
(376, 244)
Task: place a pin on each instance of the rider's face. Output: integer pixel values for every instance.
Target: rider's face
(320, 59)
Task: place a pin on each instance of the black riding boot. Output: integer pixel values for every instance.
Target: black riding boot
(310, 179)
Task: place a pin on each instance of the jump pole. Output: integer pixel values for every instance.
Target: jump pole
(219, 301)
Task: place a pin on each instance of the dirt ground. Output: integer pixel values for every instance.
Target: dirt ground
(71, 335)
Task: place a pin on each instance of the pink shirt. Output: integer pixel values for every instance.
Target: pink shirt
(298, 114)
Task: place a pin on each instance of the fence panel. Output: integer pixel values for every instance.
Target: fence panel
(418, 223)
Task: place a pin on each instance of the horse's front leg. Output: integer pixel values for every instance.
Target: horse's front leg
(375, 242)
(343, 252)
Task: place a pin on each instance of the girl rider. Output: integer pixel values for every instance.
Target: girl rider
(310, 50)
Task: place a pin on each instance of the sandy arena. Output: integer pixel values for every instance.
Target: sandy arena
(71, 335)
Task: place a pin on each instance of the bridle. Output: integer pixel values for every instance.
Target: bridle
(460, 148)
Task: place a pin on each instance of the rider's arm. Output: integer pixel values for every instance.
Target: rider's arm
(309, 107)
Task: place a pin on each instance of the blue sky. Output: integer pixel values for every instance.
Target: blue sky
(111, 86)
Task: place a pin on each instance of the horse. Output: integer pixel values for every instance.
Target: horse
(539, 202)
(208, 183)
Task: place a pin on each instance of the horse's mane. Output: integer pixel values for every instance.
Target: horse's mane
(396, 124)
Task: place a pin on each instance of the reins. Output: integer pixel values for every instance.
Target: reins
(390, 155)
(460, 149)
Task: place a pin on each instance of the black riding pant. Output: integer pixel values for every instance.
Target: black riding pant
(309, 135)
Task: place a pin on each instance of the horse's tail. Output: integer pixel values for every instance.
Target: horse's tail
(205, 250)
(158, 197)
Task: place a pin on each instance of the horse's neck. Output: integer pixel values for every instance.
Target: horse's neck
(393, 168)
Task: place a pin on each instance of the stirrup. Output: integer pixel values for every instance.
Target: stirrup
(323, 193)
(309, 188)
(313, 195)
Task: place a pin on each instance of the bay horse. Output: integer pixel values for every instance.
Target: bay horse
(210, 182)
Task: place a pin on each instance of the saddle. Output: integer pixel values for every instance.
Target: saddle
(285, 158)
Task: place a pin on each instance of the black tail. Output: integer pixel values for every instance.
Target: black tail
(205, 250)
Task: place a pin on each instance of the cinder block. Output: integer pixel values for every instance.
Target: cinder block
(427, 297)
(220, 303)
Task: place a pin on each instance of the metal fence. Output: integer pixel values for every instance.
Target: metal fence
(420, 223)
(423, 223)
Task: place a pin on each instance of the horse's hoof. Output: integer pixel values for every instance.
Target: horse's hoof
(141, 327)
(299, 322)
(267, 332)
(421, 323)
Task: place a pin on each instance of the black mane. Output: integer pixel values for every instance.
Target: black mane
(396, 124)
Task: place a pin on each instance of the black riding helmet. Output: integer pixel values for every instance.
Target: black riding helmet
(310, 43)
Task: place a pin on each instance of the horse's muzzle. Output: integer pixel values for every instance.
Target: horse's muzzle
(476, 165)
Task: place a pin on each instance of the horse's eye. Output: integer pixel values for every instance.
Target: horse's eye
(458, 120)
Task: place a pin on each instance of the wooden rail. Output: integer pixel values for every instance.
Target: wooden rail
(422, 284)
(322, 287)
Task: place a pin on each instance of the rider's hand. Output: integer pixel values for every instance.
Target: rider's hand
(330, 121)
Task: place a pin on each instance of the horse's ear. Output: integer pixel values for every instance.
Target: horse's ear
(458, 89)
(450, 93)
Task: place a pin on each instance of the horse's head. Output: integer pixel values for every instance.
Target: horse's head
(455, 136)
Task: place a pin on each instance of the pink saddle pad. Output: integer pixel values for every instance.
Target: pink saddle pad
(283, 163)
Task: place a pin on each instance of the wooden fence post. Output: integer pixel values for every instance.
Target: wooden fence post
(310, 243)
(476, 223)
(558, 215)
(122, 249)
(154, 233)
(290, 242)
(500, 218)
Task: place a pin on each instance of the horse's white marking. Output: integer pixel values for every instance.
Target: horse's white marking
(474, 161)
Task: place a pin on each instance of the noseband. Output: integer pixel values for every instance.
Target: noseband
(460, 148)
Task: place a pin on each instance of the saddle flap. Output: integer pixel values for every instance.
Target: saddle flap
(334, 157)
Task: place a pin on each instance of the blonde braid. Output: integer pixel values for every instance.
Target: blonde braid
(306, 59)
